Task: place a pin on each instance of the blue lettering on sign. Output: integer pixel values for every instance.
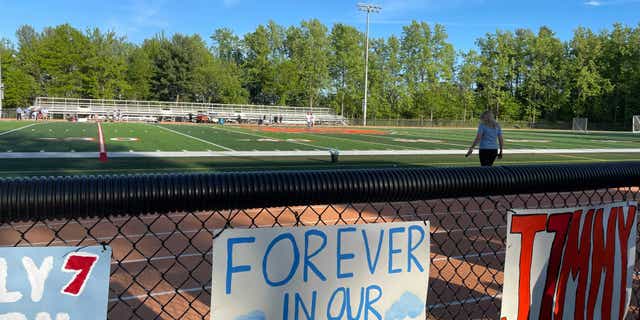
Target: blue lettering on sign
(343, 256)
(393, 251)
(294, 263)
(410, 257)
(309, 315)
(350, 315)
(371, 300)
(340, 315)
(286, 261)
(308, 256)
(234, 269)
(372, 264)
(342, 297)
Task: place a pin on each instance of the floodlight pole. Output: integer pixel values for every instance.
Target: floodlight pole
(1, 86)
(368, 8)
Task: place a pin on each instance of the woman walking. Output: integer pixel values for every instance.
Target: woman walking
(490, 139)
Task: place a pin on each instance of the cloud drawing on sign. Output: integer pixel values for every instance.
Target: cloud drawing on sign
(407, 307)
(255, 315)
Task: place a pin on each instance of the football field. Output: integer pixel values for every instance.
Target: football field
(54, 148)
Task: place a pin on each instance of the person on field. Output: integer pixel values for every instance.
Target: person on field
(18, 113)
(490, 139)
(310, 119)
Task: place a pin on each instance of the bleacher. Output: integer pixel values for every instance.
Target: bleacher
(181, 111)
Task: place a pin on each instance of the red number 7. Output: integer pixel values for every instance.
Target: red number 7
(81, 263)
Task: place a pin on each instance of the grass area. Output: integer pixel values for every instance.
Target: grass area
(29, 136)
(146, 137)
(50, 137)
(37, 167)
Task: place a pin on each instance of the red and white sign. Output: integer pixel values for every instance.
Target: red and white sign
(575, 262)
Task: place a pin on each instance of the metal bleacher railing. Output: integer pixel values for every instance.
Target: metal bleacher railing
(161, 226)
(134, 108)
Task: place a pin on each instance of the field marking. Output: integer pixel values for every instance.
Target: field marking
(18, 129)
(267, 137)
(301, 153)
(194, 138)
(101, 145)
(580, 157)
(443, 142)
(358, 141)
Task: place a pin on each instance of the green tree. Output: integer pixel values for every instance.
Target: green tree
(20, 87)
(588, 85)
(106, 69)
(346, 68)
(308, 49)
(138, 74)
(428, 62)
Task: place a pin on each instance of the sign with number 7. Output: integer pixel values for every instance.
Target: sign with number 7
(54, 282)
(81, 263)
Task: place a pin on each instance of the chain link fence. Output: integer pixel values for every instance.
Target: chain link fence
(161, 264)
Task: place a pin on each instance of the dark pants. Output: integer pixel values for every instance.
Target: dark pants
(488, 157)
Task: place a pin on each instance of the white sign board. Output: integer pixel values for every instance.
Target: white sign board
(367, 271)
(570, 263)
(61, 283)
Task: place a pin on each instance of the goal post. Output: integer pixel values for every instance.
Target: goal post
(636, 124)
(580, 125)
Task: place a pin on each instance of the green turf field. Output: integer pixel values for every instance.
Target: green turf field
(48, 148)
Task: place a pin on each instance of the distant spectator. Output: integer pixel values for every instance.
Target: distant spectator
(18, 113)
(490, 138)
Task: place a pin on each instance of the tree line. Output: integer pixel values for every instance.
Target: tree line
(521, 75)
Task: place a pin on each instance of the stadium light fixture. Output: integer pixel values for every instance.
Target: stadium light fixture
(368, 8)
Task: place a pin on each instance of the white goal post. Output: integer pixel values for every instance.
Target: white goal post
(580, 124)
(636, 124)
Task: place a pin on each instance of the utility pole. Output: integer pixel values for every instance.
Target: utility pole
(1, 86)
(368, 8)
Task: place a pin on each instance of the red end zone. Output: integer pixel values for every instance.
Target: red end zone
(322, 130)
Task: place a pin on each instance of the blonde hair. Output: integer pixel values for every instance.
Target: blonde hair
(488, 119)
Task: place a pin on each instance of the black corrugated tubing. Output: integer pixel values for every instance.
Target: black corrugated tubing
(96, 196)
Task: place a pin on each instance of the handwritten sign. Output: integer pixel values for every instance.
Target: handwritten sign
(61, 283)
(575, 262)
(372, 271)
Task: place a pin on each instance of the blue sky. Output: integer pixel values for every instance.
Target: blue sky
(465, 20)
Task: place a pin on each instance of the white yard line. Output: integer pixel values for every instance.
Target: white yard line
(442, 141)
(360, 141)
(293, 153)
(18, 129)
(267, 137)
(194, 138)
